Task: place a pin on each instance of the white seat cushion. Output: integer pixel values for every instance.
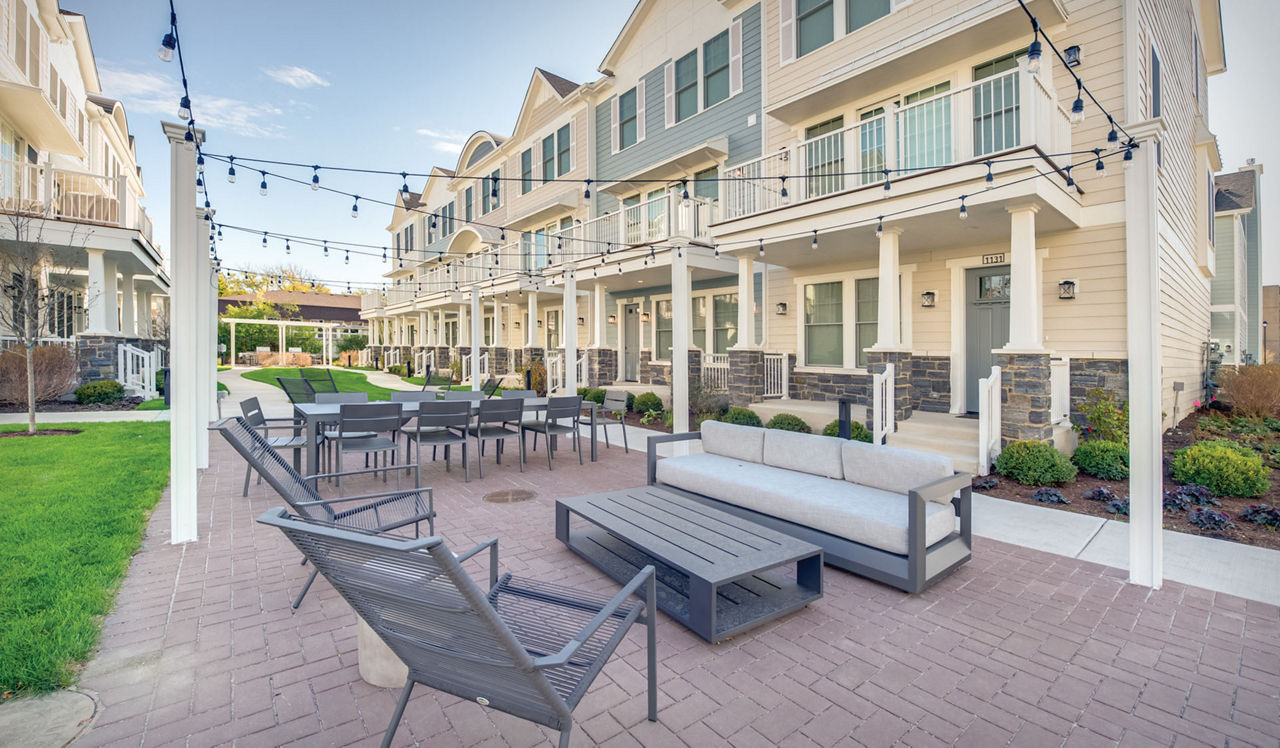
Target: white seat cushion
(894, 469)
(731, 440)
(864, 515)
(807, 453)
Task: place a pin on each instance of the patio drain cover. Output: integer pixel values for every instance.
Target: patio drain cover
(509, 496)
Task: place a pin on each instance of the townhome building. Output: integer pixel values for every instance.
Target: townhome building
(888, 202)
(1236, 291)
(69, 180)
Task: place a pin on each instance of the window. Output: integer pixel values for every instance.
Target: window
(491, 193)
(686, 87)
(698, 313)
(20, 37)
(553, 329)
(871, 144)
(627, 119)
(488, 330)
(859, 13)
(662, 332)
(724, 322)
(824, 324)
(715, 70)
(469, 211)
(548, 158)
(824, 157)
(815, 25)
(925, 128)
(526, 171)
(564, 154)
(866, 325)
(706, 183)
(1155, 83)
(995, 105)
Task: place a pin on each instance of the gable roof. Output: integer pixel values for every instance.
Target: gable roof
(562, 86)
(1234, 191)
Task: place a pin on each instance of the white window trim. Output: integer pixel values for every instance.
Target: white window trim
(616, 121)
(848, 316)
(789, 30)
(706, 318)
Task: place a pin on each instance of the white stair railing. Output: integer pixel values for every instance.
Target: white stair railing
(776, 376)
(393, 357)
(1059, 389)
(989, 394)
(429, 357)
(715, 371)
(882, 405)
(555, 372)
(466, 367)
(582, 370)
(136, 370)
(161, 354)
(484, 365)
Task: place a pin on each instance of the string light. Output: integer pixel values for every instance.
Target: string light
(167, 45)
(326, 249)
(886, 182)
(964, 211)
(184, 108)
(264, 240)
(199, 184)
(684, 190)
(315, 178)
(715, 249)
(1070, 182)
(355, 207)
(1128, 151)
(200, 163)
(991, 179)
(586, 190)
(1034, 51)
(404, 188)
(880, 227)
(287, 248)
(814, 243)
(384, 255)
(262, 188)
(1101, 168)
(760, 250)
(1077, 108)
(346, 260)
(1113, 137)
(783, 193)
(231, 169)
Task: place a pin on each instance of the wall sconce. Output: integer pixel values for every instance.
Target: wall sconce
(1066, 289)
(781, 309)
(1072, 54)
(582, 321)
(517, 324)
(539, 323)
(613, 319)
(644, 316)
(929, 299)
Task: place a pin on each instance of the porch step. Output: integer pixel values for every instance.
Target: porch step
(940, 433)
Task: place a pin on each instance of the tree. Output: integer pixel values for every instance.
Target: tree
(271, 278)
(352, 343)
(250, 337)
(35, 276)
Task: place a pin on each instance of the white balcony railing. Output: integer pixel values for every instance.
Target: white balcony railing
(715, 371)
(45, 190)
(776, 375)
(7, 342)
(990, 116)
(136, 369)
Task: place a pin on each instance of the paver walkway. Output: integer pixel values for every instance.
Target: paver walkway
(1017, 647)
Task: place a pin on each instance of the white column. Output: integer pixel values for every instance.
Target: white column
(438, 338)
(1025, 332)
(101, 298)
(680, 293)
(533, 319)
(477, 336)
(1142, 304)
(464, 325)
(423, 329)
(143, 310)
(231, 352)
(888, 326)
(598, 317)
(184, 314)
(746, 297)
(128, 307)
(497, 322)
(569, 324)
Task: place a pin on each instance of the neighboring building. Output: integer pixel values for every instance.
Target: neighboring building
(68, 167)
(807, 289)
(1236, 311)
(313, 306)
(1270, 324)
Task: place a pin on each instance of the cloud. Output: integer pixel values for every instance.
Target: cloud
(152, 93)
(446, 141)
(453, 148)
(292, 75)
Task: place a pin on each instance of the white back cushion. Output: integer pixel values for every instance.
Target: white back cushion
(731, 440)
(893, 469)
(806, 453)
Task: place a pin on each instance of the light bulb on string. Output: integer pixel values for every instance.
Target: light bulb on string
(184, 108)
(991, 179)
(219, 232)
(315, 178)
(684, 190)
(783, 193)
(964, 210)
(586, 190)
(287, 248)
(715, 249)
(264, 240)
(384, 255)
(887, 186)
(1101, 168)
(326, 248)
(355, 207)
(1113, 137)
(404, 188)
(262, 188)
(1034, 51)
(880, 227)
(814, 243)
(761, 248)
(231, 169)
(1070, 182)
(167, 45)
(1128, 151)
(346, 259)
(199, 183)
(200, 163)
(1077, 108)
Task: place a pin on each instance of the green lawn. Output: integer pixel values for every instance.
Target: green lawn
(419, 381)
(223, 368)
(156, 404)
(347, 381)
(72, 513)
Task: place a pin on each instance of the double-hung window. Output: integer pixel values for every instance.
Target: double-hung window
(815, 25)
(564, 155)
(662, 332)
(526, 171)
(715, 69)
(859, 13)
(469, 211)
(698, 312)
(686, 90)
(824, 324)
(553, 329)
(866, 324)
(706, 183)
(548, 158)
(724, 322)
(627, 121)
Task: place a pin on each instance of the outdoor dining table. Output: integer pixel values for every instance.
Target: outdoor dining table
(316, 414)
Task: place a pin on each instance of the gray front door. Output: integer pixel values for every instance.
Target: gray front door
(631, 343)
(987, 324)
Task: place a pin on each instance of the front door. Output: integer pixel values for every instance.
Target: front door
(987, 324)
(631, 343)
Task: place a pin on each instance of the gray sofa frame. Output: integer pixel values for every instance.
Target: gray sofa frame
(915, 572)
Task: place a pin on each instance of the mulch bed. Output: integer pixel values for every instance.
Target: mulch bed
(657, 424)
(40, 432)
(56, 406)
(1182, 436)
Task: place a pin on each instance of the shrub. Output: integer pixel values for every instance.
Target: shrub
(1182, 497)
(987, 483)
(788, 422)
(669, 419)
(1246, 426)
(1119, 506)
(582, 392)
(647, 402)
(594, 395)
(1252, 390)
(1105, 417)
(1100, 493)
(703, 399)
(1034, 463)
(1262, 514)
(537, 373)
(55, 373)
(631, 401)
(742, 417)
(102, 391)
(455, 370)
(1049, 496)
(1225, 468)
(1271, 423)
(857, 431)
(1211, 520)
(400, 370)
(1102, 459)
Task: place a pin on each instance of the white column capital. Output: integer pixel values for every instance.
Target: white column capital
(891, 231)
(1025, 206)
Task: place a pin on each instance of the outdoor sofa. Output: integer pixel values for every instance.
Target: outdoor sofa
(884, 513)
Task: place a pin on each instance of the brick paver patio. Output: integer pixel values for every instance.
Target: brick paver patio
(1018, 647)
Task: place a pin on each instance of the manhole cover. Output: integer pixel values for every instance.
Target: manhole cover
(510, 496)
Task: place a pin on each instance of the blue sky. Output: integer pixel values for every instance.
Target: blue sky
(401, 84)
(384, 84)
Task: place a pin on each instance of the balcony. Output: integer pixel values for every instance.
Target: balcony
(62, 194)
(983, 119)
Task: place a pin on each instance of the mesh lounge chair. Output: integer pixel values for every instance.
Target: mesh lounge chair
(297, 390)
(615, 404)
(526, 648)
(375, 512)
(321, 379)
(255, 419)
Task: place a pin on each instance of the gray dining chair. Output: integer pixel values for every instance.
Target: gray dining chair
(519, 646)
(254, 418)
(440, 423)
(522, 394)
(559, 410)
(495, 420)
(615, 403)
(473, 395)
(328, 432)
(373, 419)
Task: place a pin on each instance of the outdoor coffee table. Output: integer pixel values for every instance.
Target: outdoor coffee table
(717, 574)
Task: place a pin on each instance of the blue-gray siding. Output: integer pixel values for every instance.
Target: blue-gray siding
(1223, 286)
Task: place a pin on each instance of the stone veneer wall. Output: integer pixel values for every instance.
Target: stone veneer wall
(823, 385)
(648, 371)
(746, 376)
(1025, 410)
(96, 355)
(931, 383)
(499, 361)
(602, 366)
(902, 371)
(1111, 374)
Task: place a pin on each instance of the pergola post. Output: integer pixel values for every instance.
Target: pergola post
(232, 352)
(533, 319)
(680, 313)
(185, 314)
(570, 327)
(476, 338)
(599, 331)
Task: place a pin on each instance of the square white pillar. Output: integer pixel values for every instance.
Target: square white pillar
(569, 323)
(477, 336)
(532, 324)
(746, 298)
(680, 333)
(1026, 332)
(143, 311)
(497, 322)
(128, 307)
(598, 318)
(102, 295)
(464, 326)
(889, 325)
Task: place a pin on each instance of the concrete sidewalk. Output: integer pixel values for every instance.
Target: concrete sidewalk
(87, 416)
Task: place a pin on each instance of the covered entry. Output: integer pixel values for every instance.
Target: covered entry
(986, 324)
